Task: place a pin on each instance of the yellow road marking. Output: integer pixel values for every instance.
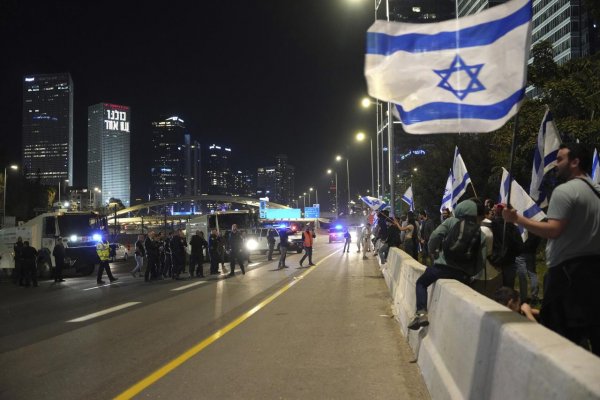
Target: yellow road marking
(176, 362)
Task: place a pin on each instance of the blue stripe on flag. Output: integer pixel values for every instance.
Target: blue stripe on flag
(460, 187)
(478, 35)
(441, 110)
(531, 211)
(550, 157)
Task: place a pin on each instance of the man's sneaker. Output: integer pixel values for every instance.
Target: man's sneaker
(418, 321)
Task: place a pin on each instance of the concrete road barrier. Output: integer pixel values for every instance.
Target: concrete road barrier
(475, 348)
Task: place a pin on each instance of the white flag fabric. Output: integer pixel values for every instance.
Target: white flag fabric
(520, 200)
(461, 75)
(595, 167)
(408, 198)
(460, 178)
(544, 157)
(447, 197)
(374, 203)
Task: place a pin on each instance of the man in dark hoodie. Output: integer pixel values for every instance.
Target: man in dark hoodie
(441, 268)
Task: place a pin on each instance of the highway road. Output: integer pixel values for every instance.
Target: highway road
(320, 332)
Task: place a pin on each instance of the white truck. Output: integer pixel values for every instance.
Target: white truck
(79, 230)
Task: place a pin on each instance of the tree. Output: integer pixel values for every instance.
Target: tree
(543, 68)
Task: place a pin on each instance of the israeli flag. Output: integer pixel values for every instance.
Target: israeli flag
(595, 167)
(462, 75)
(520, 200)
(460, 178)
(447, 198)
(544, 157)
(408, 198)
(374, 203)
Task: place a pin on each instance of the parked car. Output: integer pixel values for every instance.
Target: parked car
(120, 252)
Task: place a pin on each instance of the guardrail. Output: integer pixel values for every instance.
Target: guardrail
(475, 348)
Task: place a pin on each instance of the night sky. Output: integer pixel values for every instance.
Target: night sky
(261, 76)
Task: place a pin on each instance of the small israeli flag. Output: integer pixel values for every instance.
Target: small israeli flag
(595, 167)
(460, 178)
(544, 157)
(447, 198)
(461, 75)
(520, 200)
(374, 203)
(408, 198)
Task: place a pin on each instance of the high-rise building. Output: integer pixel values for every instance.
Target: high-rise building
(48, 128)
(277, 182)
(109, 139)
(217, 174)
(193, 167)
(169, 158)
(564, 23)
(265, 182)
(244, 183)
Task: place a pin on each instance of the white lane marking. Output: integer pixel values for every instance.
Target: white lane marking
(188, 286)
(101, 286)
(104, 312)
(253, 264)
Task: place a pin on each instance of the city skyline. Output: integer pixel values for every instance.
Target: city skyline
(294, 85)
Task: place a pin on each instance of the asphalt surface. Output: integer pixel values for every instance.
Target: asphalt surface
(299, 333)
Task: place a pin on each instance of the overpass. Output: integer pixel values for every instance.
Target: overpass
(153, 207)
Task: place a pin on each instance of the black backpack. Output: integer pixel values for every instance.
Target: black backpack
(504, 255)
(461, 246)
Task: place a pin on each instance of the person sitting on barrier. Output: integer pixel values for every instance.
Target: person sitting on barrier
(462, 255)
(510, 298)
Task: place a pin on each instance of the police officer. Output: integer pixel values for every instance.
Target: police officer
(271, 235)
(29, 255)
(236, 248)
(19, 274)
(103, 251)
(59, 258)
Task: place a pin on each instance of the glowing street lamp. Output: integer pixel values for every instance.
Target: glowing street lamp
(360, 136)
(336, 191)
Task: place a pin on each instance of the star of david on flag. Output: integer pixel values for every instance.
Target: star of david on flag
(458, 66)
(462, 75)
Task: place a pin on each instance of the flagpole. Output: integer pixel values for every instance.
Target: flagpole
(512, 156)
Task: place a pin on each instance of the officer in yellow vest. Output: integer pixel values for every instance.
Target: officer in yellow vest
(103, 251)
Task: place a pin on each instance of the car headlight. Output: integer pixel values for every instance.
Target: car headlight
(73, 238)
(251, 244)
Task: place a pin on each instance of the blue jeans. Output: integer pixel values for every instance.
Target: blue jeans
(430, 276)
(526, 266)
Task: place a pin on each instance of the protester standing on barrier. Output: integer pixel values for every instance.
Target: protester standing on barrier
(462, 255)
(571, 304)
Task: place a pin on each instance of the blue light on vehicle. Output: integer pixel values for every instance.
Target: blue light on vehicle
(97, 237)
(338, 227)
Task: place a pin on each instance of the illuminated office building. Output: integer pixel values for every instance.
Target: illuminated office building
(109, 139)
(277, 182)
(217, 174)
(48, 128)
(170, 155)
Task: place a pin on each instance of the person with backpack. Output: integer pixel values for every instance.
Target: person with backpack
(462, 255)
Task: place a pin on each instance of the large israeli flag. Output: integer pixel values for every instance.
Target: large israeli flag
(374, 203)
(447, 197)
(461, 75)
(596, 167)
(544, 157)
(408, 198)
(460, 178)
(520, 200)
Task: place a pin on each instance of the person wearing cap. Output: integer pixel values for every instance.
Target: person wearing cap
(59, 260)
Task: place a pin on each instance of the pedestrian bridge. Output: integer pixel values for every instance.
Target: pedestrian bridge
(156, 207)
